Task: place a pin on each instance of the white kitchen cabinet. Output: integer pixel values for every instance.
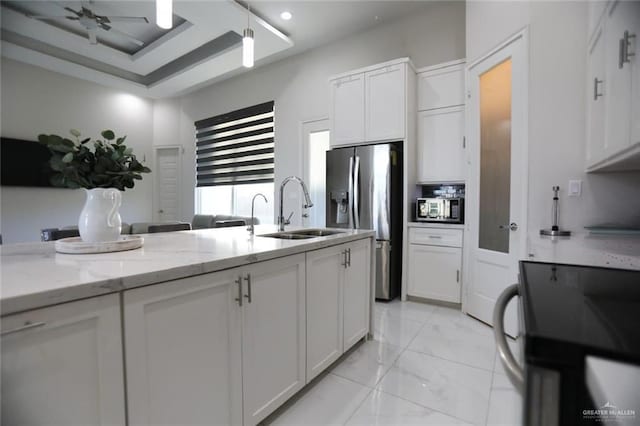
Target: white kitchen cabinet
(435, 264)
(273, 335)
(595, 99)
(441, 145)
(338, 298)
(220, 348)
(356, 299)
(385, 100)
(63, 365)
(370, 104)
(325, 274)
(441, 86)
(183, 351)
(347, 94)
(613, 129)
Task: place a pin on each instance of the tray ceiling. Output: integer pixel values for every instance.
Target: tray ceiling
(204, 43)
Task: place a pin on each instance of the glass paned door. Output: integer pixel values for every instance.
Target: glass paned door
(495, 158)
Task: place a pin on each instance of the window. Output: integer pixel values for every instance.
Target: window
(234, 161)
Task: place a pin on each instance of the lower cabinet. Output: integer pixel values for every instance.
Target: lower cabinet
(220, 348)
(435, 264)
(183, 351)
(63, 365)
(338, 300)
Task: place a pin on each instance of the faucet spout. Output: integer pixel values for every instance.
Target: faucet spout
(307, 200)
(250, 228)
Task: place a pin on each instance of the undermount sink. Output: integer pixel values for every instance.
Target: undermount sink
(302, 234)
(316, 232)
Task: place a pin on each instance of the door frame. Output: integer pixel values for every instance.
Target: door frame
(317, 124)
(156, 187)
(519, 84)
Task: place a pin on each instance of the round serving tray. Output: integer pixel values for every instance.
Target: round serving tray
(75, 245)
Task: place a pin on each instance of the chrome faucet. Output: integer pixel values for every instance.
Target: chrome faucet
(250, 228)
(307, 199)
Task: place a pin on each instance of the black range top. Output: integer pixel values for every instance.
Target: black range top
(570, 311)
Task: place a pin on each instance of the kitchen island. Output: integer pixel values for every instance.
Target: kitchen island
(197, 327)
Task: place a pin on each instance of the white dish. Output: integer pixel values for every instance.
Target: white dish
(75, 245)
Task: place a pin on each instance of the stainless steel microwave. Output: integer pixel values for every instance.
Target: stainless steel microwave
(450, 210)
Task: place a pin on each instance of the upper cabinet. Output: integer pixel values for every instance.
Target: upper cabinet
(370, 104)
(613, 88)
(441, 142)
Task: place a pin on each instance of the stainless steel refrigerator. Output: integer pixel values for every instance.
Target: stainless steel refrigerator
(364, 191)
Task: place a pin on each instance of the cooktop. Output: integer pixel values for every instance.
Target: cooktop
(572, 310)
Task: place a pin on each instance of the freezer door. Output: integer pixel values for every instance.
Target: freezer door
(372, 189)
(339, 187)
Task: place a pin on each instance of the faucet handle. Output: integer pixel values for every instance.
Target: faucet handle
(287, 221)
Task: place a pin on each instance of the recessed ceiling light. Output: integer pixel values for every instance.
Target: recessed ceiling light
(286, 15)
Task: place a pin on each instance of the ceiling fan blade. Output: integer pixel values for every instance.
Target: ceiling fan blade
(68, 9)
(131, 38)
(132, 19)
(93, 39)
(45, 17)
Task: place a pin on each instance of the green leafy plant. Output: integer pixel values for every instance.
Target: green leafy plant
(111, 164)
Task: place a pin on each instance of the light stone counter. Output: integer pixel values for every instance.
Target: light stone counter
(33, 275)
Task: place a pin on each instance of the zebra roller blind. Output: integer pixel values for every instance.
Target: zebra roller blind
(235, 148)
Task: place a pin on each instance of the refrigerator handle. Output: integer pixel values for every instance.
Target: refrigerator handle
(356, 193)
(350, 194)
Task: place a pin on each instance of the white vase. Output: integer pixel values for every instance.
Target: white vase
(100, 219)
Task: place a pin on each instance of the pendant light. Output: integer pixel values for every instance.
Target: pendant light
(247, 43)
(164, 14)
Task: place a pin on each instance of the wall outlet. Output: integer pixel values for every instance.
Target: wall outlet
(575, 188)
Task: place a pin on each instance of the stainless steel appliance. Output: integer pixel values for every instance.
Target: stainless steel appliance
(570, 316)
(364, 191)
(450, 210)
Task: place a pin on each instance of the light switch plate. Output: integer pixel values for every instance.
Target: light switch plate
(575, 188)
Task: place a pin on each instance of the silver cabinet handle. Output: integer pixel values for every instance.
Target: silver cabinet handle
(349, 257)
(512, 226)
(514, 371)
(457, 275)
(623, 54)
(248, 295)
(596, 95)
(435, 237)
(344, 258)
(27, 326)
(239, 298)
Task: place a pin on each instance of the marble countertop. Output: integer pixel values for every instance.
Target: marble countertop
(33, 275)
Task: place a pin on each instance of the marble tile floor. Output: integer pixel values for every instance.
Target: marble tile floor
(426, 365)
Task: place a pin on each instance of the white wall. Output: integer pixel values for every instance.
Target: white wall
(37, 101)
(299, 85)
(557, 112)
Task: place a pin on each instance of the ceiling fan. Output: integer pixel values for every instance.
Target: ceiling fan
(93, 22)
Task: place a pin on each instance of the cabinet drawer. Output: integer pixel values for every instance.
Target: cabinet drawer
(436, 236)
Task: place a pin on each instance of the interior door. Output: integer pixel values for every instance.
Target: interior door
(167, 183)
(497, 192)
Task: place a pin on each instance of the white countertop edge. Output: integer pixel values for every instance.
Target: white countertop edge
(48, 297)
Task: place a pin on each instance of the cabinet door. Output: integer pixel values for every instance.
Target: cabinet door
(347, 112)
(63, 365)
(273, 335)
(595, 100)
(440, 145)
(618, 80)
(325, 272)
(434, 272)
(441, 88)
(183, 353)
(385, 103)
(356, 290)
